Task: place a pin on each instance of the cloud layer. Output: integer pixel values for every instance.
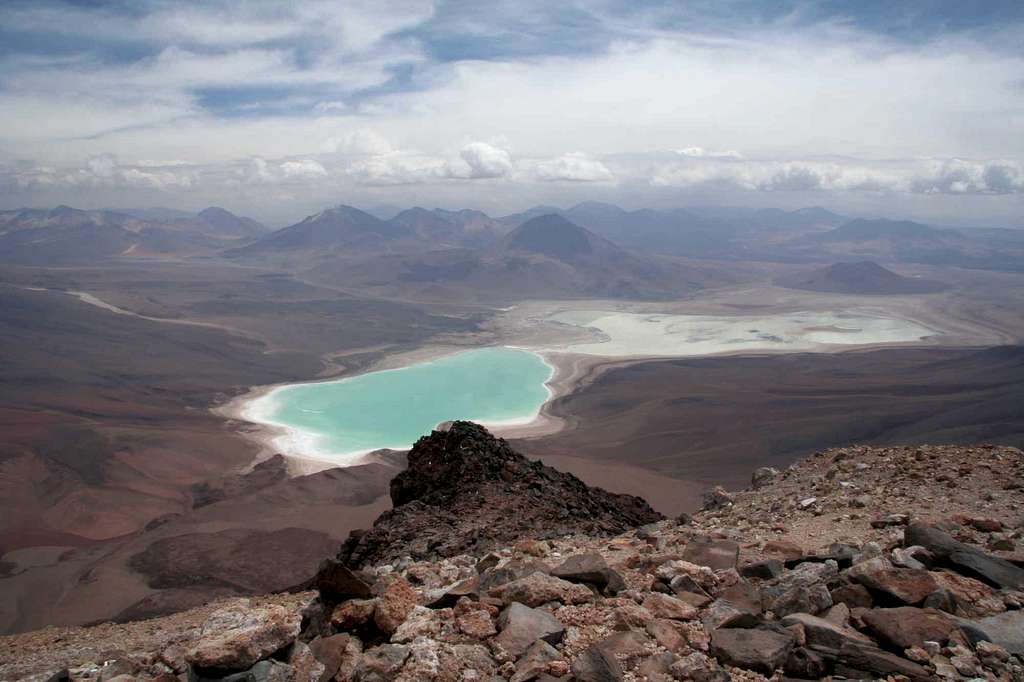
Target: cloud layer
(260, 104)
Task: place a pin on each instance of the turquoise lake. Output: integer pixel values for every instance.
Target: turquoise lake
(393, 408)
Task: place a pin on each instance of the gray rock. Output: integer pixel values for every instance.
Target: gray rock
(520, 626)
(765, 570)
(597, 665)
(763, 476)
(382, 663)
(1004, 629)
(591, 569)
(535, 661)
(760, 650)
(964, 558)
(338, 583)
(715, 554)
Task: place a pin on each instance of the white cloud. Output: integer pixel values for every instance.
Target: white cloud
(357, 142)
(480, 160)
(303, 169)
(574, 167)
(699, 152)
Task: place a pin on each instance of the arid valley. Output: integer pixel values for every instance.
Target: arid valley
(125, 463)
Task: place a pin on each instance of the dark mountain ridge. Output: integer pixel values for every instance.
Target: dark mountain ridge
(860, 277)
(466, 491)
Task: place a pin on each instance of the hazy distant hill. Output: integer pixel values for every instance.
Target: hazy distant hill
(705, 233)
(66, 235)
(545, 257)
(451, 228)
(862, 277)
(343, 229)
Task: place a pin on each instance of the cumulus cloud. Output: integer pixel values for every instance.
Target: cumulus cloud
(700, 152)
(480, 160)
(573, 167)
(947, 176)
(303, 169)
(358, 142)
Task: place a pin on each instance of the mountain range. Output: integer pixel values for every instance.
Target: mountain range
(808, 235)
(65, 235)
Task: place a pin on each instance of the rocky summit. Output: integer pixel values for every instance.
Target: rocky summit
(860, 563)
(465, 491)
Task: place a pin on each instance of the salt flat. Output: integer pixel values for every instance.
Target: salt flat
(622, 334)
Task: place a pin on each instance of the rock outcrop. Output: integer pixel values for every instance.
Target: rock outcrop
(466, 492)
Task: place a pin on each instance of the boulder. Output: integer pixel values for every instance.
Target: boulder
(1004, 629)
(664, 606)
(591, 569)
(965, 559)
(520, 626)
(535, 661)
(763, 476)
(538, 588)
(339, 655)
(715, 554)
(382, 662)
(238, 636)
(765, 569)
(597, 665)
(353, 614)
(338, 583)
(907, 585)
(666, 634)
(821, 633)
(394, 604)
(906, 626)
(760, 650)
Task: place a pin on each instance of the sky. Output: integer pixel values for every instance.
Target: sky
(910, 109)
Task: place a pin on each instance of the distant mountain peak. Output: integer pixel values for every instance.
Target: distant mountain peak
(861, 277)
(553, 236)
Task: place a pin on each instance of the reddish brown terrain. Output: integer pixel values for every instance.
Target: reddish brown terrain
(899, 563)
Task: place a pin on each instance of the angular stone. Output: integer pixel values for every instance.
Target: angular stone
(964, 558)
(382, 662)
(474, 619)
(760, 650)
(470, 587)
(763, 476)
(535, 661)
(305, 666)
(765, 570)
(805, 664)
(539, 588)
(597, 665)
(724, 613)
(238, 636)
(666, 634)
(339, 655)
(520, 626)
(394, 605)
(509, 571)
(881, 663)
(1004, 629)
(337, 583)
(853, 595)
(353, 614)
(664, 606)
(592, 569)
(715, 554)
(820, 632)
(906, 626)
(908, 585)
(801, 599)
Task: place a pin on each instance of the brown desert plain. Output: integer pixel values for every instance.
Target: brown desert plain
(127, 490)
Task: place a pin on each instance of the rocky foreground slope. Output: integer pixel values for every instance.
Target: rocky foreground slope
(857, 563)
